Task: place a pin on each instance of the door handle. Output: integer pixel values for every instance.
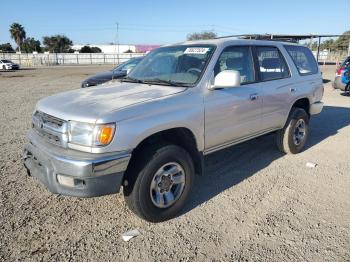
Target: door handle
(293, 89)
(254, 97)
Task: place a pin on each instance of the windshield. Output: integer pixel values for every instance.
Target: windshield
(6, 61)
(346, 63)
(175, 65)
(128, 65)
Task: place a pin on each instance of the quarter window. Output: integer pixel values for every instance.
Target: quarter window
(272, 65)
(237, 58)
(303, 59)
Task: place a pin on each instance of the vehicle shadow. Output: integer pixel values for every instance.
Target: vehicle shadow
(230, 166)
(325, 81)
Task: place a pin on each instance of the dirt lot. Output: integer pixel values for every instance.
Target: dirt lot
(253, 204)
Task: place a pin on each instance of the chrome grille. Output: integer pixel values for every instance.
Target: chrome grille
(52, 129)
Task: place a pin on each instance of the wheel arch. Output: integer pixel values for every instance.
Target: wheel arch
(303, 103)
(180, 136)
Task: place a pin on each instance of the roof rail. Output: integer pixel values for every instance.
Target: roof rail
(278, 37)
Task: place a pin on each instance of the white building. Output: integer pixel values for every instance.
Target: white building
(109, 49)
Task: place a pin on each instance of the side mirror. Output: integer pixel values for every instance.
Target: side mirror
(227, 79)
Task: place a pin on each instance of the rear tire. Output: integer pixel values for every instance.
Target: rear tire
(152, 193)
(292, 138)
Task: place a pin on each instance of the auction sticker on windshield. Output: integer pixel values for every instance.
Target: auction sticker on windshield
(197, 50)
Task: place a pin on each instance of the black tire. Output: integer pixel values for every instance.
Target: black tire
(141, 173)
(285, 141)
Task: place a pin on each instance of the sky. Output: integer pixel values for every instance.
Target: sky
(163, 22)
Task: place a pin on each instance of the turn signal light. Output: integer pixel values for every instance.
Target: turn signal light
(105, 135)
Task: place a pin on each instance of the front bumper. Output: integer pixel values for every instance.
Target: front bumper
(316, 108)
(92, 174)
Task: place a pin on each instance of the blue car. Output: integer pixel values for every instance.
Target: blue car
(345, 78)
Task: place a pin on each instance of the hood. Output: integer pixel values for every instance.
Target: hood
(90, 104)
(103, 77)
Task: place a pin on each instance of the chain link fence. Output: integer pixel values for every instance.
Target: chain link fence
(37, 60)
(330, 57)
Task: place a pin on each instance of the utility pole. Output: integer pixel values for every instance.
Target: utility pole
(118, 42)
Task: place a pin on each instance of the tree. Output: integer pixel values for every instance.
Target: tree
(7, 47)
(18, 34)
(327, 44)
(88, 49)
(201, 36)
(57, 43)
(129, 51)
(342, 43)
(30, 45)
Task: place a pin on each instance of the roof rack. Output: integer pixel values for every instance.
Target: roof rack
(284, 38)
(278, 37)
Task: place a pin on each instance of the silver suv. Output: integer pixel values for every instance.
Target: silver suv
(150, 132)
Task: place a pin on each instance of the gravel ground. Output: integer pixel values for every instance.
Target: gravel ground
(253, 204)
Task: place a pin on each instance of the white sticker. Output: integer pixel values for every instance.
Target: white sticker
(196, 50)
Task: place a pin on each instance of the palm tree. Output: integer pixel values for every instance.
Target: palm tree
(18, 34)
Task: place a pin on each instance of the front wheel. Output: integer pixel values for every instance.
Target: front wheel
(159, 186)
(291, 139)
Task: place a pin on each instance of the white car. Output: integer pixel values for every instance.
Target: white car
(8, 65)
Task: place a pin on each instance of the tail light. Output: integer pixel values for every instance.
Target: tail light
(339, 71)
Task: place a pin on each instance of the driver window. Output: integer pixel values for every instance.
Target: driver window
(237, 58)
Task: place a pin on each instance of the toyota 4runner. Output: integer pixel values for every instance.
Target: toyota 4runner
(149, 132)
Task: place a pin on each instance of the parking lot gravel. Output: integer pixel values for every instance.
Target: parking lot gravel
(252, 204)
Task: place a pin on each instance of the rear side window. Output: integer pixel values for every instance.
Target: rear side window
(272, 65)
(303, 59)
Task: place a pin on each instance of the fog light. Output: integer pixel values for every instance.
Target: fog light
(66, 180)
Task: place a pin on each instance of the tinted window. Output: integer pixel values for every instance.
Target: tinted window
(128, 65)
(346, 63)
(237, 58)
(271, 63)
(303, 59)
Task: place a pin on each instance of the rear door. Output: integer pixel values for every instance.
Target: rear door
(276, 86)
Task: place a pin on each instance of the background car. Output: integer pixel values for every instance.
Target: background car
(338, 84)
(118, 72)
(8, 65)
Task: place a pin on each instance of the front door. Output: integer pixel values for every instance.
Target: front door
(233, 114)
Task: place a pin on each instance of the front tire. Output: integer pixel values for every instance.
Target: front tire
(292, 138)
(159, 185)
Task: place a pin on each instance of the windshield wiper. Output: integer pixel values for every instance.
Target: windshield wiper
(162, 81)
(132, 80)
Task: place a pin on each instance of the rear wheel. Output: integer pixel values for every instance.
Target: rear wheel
(291, 139)
(159, 186)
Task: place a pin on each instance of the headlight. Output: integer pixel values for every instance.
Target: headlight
(90, 134)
